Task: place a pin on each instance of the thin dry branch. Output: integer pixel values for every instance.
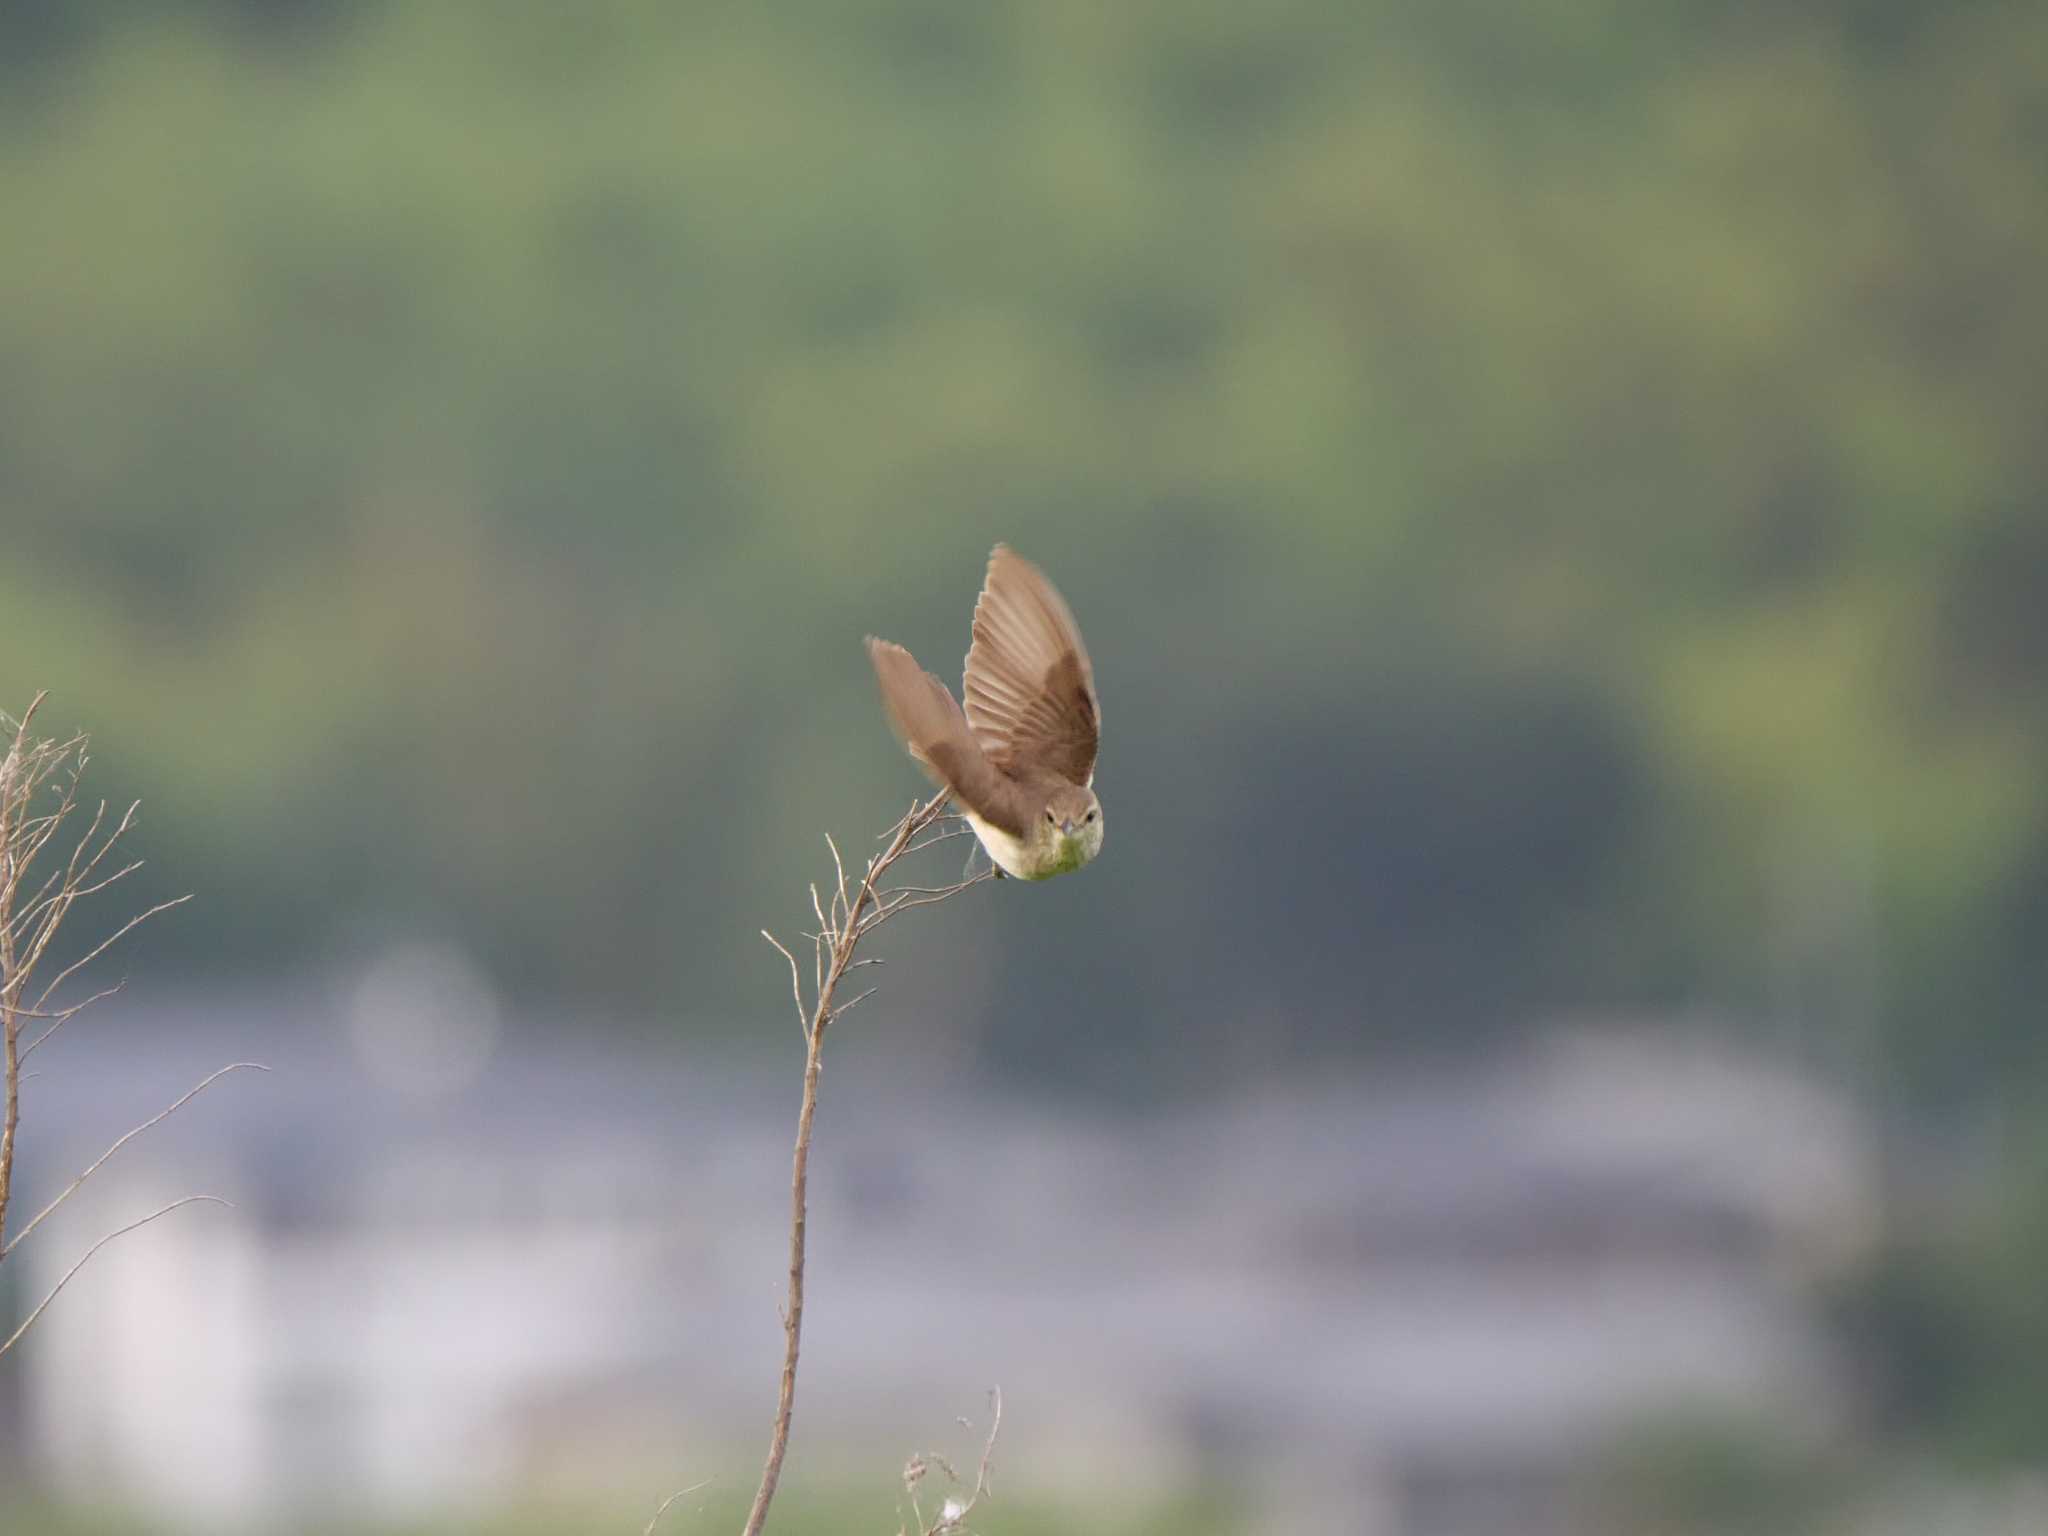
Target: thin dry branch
(902, 898)
(108, 943)
(854, 1002)
(941, 837)
(680, 1493)
(106, 880)
(796, 980)
(839, 870)
(43, 1305)
(34, 909)
(59, 1017)
(856, 908)
(121, 1141)
(61, 1014)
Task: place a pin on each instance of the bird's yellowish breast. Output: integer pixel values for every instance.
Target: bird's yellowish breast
(1052, 853)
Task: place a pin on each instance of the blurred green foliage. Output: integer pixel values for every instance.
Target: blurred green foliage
(1949, 1317)
(1556, 493)
(1705, 1473)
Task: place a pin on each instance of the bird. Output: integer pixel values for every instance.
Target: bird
(1018, 760)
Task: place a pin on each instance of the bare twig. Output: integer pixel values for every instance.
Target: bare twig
(942, 837)
(157, 1119)
(108, 943)
(839, 870)
(856, 908)
(59, 1017)
(852, 1003)
(43, 1305)
(680, 1493)
(903, 898)
(796, 981)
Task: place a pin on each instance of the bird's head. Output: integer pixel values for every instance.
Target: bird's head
(1074, 820)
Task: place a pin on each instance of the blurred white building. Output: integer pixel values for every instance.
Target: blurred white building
(1424, 1302)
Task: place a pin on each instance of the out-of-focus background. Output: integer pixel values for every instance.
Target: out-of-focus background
(1558, 500)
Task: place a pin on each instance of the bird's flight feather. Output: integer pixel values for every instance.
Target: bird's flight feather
(1029, 689)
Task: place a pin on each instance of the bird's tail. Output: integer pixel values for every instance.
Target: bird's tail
(927, 719)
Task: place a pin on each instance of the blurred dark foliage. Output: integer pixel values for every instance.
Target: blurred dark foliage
(1555, 494)
(1949, 1316)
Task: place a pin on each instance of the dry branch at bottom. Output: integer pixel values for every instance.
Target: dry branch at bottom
(846, 914)
(952, 1513)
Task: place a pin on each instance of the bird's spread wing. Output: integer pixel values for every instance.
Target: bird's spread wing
(1029, 688)
(932, 727)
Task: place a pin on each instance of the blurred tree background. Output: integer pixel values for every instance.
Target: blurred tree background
(1557, 494)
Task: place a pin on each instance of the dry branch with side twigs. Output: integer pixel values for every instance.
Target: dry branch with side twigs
(41, 880)
(951, 1517)
(847, 912)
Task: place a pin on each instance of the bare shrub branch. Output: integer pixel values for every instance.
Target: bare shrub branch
(856, 909)
(39, 784)
(951, 1517)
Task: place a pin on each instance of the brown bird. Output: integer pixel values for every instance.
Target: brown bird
(1020, 761)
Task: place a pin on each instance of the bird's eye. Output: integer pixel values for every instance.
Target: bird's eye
(1089, 817)
(1050, 816)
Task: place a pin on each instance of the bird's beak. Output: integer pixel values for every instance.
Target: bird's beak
(1067, 826)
